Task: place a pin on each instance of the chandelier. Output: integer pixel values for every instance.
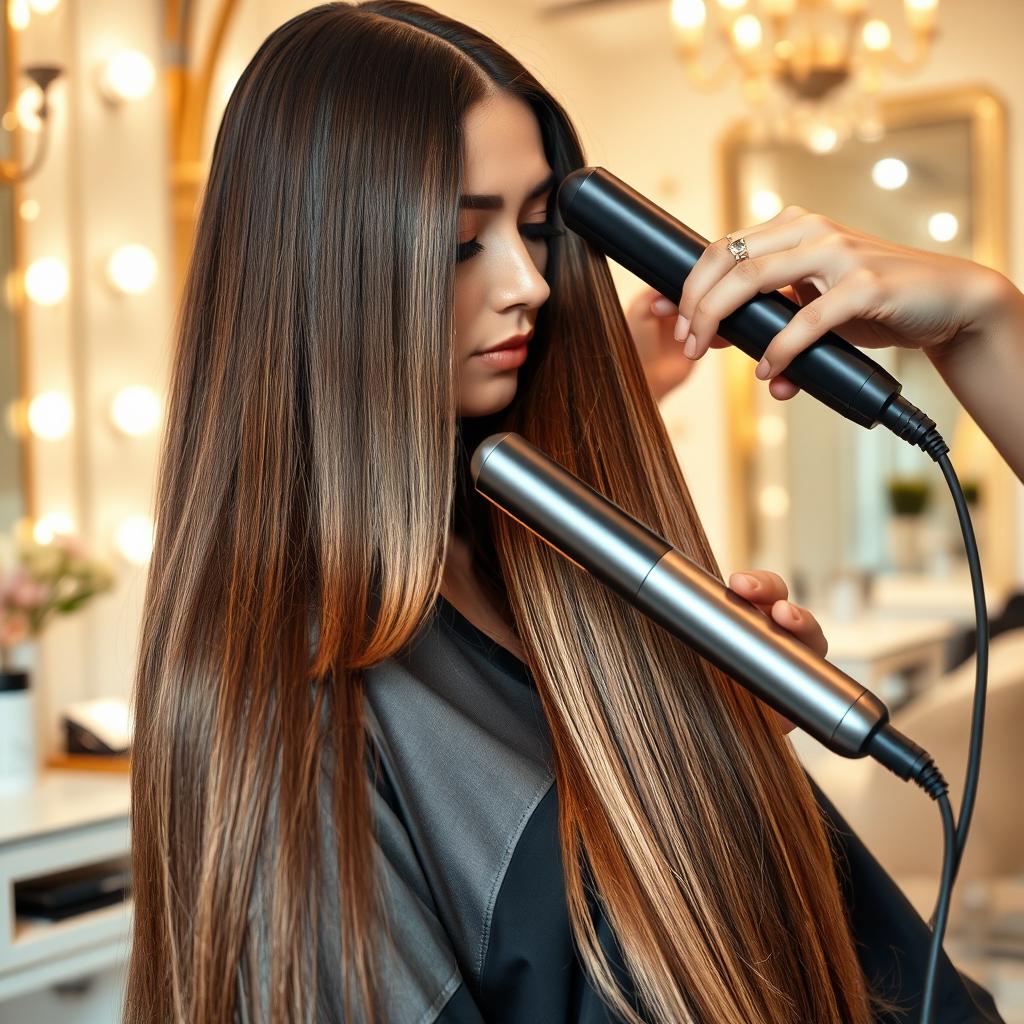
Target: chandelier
(810, 69)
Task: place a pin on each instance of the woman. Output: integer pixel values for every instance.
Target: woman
(328, 597)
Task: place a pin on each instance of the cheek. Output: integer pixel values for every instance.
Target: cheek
(469, 298)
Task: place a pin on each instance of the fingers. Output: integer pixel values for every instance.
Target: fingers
(784, 231)
(759, 275)
(769, 592)
(858, 295)
(762, 586)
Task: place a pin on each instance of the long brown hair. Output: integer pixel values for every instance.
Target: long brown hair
(312, 466)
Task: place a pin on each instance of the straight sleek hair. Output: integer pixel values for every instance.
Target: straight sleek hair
(311, 468)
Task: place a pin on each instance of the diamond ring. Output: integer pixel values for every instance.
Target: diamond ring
(738, 248)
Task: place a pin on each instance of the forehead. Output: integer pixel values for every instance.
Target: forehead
(503, 149)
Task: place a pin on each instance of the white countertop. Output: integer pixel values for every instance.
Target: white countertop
(62, 800)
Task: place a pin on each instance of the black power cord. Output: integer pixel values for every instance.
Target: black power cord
(899, 753)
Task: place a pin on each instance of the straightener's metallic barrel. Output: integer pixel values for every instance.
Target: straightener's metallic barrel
(646, 570)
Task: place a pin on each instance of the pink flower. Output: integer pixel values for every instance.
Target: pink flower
(27, 593)
(13, 629)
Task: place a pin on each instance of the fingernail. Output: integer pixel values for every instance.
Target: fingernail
(682, 329)
(763, 369)
(690, 350)
(751, 581)
(663, 306)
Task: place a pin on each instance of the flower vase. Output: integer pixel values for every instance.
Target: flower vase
(17, 732)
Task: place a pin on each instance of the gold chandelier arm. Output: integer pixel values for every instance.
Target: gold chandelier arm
(907, 65)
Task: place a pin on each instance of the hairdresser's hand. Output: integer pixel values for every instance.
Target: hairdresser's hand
(872, 292)
(658, 350)
(769, 592)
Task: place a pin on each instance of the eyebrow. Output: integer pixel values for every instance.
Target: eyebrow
(479, 202)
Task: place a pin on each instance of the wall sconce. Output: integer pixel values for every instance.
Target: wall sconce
(128, 75)
(131, 269)
(135, 410)
(34, 117)
(46, 281)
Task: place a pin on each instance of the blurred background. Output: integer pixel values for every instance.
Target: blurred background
(900, 118)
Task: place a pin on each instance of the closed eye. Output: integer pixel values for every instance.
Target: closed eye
(530, 231)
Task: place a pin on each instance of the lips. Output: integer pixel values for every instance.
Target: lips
(514, 342)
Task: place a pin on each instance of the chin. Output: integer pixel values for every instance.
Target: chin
(488, 400)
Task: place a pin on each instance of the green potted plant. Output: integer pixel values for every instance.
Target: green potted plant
(908, 502)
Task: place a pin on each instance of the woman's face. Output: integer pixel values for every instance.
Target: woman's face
(500, 286)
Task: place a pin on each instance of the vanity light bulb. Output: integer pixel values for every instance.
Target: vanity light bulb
(746, 31)
(28, 209)
(890, 173)
(128, 75)
(46, 281)
(135, 410)
(131, 269)
(771, 430)
(26, 108)
(773, 501)
(876, 35)
(822, 139)
(134, 539)
(47, 527)
(943, 227)
(689, 14)
(18, 15)
(44, 6)
(765, 204)
(49, 415)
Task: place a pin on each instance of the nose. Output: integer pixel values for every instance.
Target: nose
(525, 284)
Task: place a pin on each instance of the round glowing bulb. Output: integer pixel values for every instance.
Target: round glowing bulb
(134, 539)
(47, 527)
(890, 173)
(876, 35)
(765, 204)
(128, 75)
(44, 6)
(771, 430)
(823, 139)
(131, 269)
(746, 31)
(28, 209)
(46, 281)
(921, 5)
(135, 410)
(26, 107)
(943, 227)
(18, 15)
(49, 415)
(773, 501)
(689, 14)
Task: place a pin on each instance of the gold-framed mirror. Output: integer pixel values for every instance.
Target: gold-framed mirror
(813, 493)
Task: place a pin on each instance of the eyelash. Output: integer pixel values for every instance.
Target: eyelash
(532, 231)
